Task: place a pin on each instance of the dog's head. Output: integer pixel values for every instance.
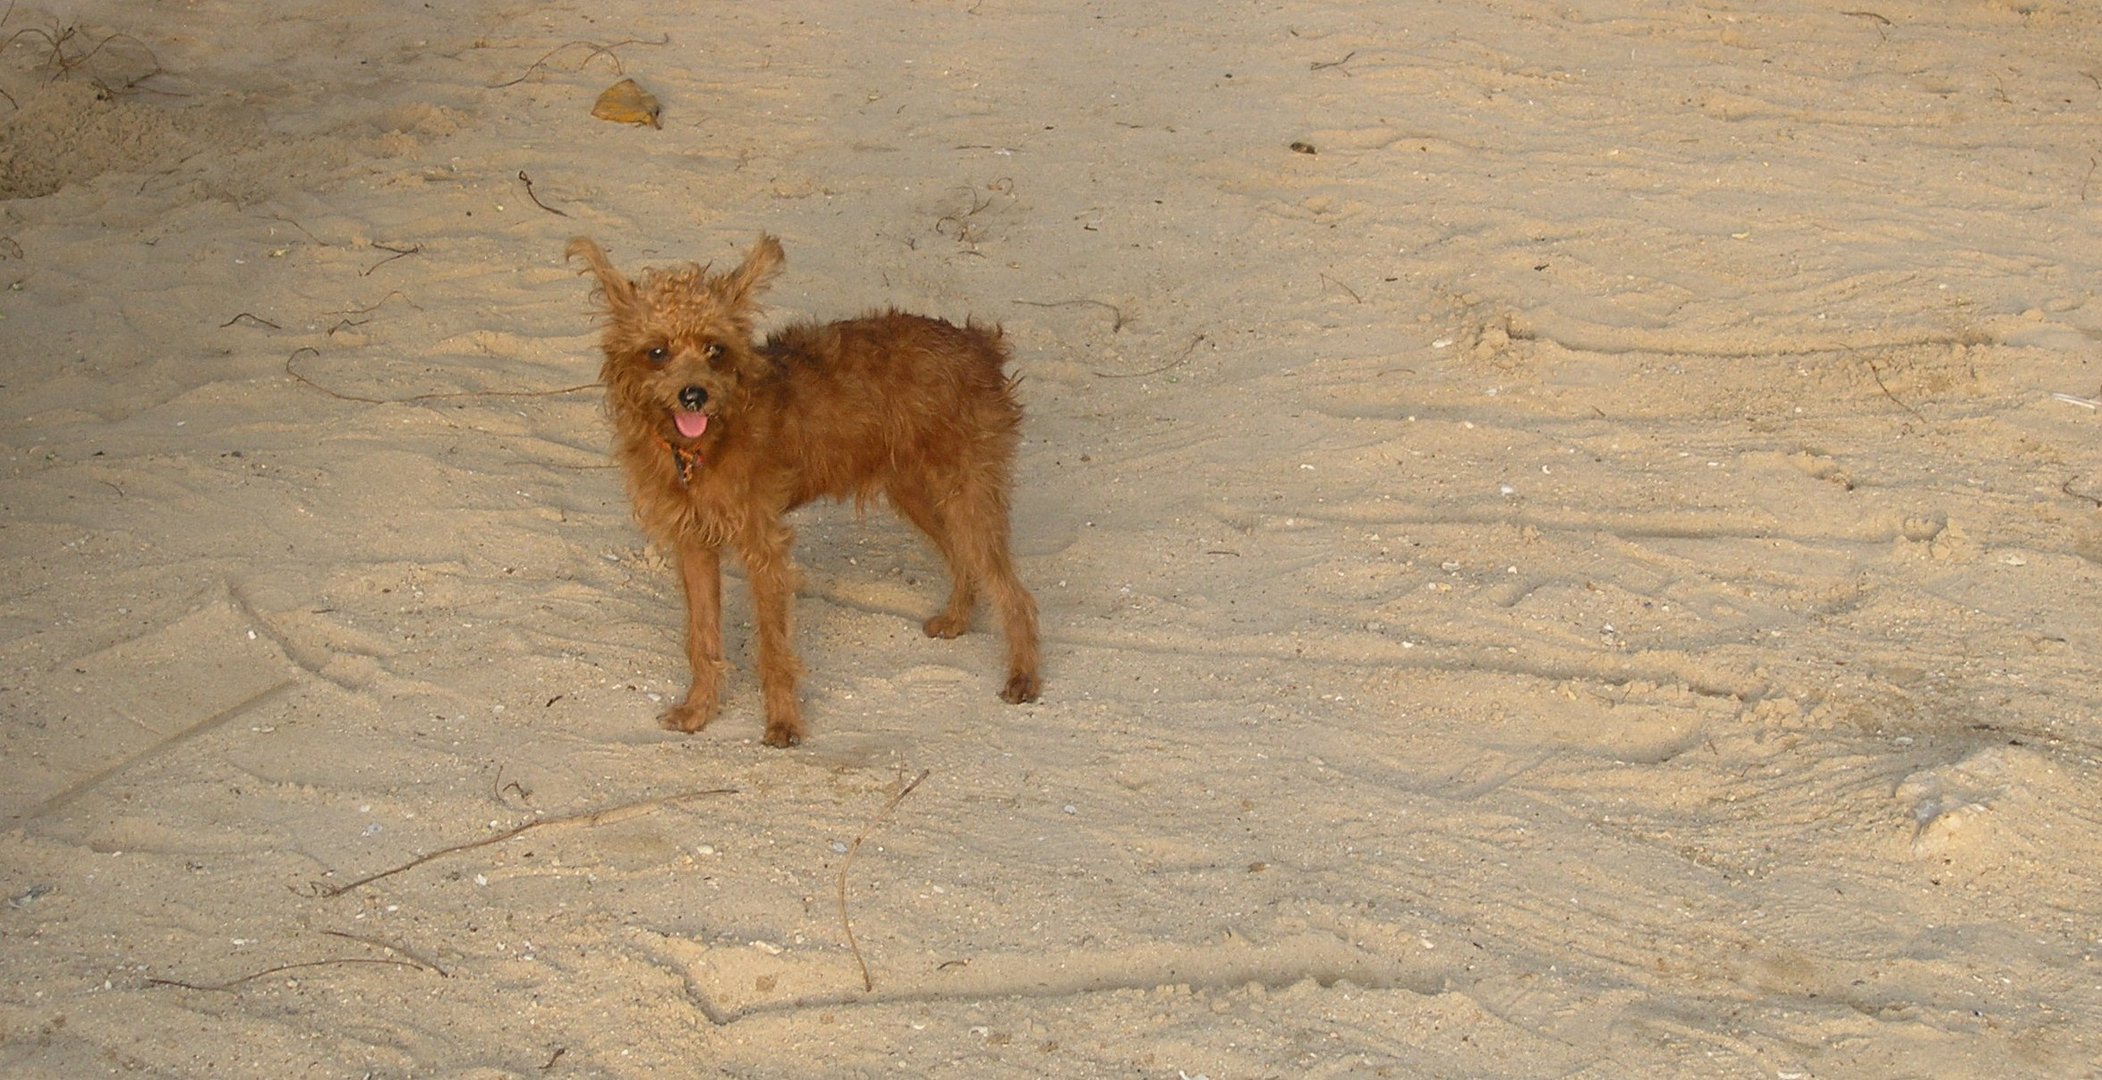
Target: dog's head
(679, 341)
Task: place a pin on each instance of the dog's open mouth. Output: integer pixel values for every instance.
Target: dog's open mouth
(690, 424)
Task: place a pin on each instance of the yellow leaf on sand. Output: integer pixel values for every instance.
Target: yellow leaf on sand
(626, 103)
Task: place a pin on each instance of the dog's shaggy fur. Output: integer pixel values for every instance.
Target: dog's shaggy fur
(720, 436)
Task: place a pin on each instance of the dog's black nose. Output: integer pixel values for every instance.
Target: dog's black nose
(692, 398)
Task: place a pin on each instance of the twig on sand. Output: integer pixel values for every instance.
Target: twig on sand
(528, 182)
(442, 396)
(868, 982)
(399, 950)
(398, 253)
(1878, 373)
(1180, 359)
(1354, 297)
(596, 817)
(370, 308)
(254, 975)
(1115, 325)
(301, 228)
(58, 37)
(349, 324)
(1321, 64)
(597, 51)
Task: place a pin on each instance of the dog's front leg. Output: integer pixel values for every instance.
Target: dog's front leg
(700, 568)
(773, 579)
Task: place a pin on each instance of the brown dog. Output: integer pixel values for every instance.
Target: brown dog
(721, 436)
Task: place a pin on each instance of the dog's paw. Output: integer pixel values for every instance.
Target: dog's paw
(783, 735)
(1022, 686)
(946, 625)
(687, 717)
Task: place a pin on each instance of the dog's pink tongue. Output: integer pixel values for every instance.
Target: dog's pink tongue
(691, 424)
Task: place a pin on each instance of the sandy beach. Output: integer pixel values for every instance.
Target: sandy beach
(1569, 539)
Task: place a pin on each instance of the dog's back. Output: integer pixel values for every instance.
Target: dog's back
(863, 400)
(899, 348)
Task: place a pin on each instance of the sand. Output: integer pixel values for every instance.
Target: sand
(1590, 565)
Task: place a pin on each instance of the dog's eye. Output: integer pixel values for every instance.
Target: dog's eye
(713, 353)
(658, 354)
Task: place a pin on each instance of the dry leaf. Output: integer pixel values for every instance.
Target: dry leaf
(626, 103)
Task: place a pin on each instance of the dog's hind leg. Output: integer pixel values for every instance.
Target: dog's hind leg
(1017, 611)
(977, 538)
(700, 569)
(914, 504)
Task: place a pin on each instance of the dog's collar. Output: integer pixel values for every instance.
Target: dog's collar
(687, 457)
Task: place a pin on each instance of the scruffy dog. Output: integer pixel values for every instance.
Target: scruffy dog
(721, 436)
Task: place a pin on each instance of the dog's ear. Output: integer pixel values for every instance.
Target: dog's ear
(612, 284)
(744, 284)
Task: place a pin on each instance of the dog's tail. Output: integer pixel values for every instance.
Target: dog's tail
(994, 333)
(994, 339)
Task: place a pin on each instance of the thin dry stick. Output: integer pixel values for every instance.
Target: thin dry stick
(596, 817)
(301, 228)
(1878, 373)
(1180, 359)
(528, 182)
(370, 308)
(64, 64)
(1114, 326)
(340, 396)
(254, 975)
(596, 52)
(868, 982)
(1353, 292)
(398, 254)
(400, 950)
